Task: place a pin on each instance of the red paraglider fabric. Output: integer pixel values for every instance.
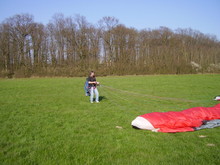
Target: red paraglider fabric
(182, 121)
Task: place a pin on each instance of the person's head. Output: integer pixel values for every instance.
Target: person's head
(92, 74)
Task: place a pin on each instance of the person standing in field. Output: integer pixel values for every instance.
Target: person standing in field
(93, 87)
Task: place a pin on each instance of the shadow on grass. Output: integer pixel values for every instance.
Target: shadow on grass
(102, 98)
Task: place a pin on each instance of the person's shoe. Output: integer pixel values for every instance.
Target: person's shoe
(91, 102)
(97, 101)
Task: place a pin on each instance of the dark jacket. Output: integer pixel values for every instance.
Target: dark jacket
(92, 79)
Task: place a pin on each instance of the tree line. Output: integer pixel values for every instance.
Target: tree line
(71, 46)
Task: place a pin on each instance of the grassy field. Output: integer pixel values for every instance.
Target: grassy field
(50, 121)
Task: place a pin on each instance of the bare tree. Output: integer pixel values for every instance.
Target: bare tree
(70, 46)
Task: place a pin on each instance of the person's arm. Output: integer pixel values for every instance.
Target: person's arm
(89, 81)
(92, 82)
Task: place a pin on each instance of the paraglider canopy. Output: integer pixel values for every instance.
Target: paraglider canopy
(217, 98)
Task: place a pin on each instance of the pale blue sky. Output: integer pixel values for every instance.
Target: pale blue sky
(202, 15)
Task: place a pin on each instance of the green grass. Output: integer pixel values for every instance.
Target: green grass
(50, 121)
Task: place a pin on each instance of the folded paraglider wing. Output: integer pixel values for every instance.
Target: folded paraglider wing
(182, 121)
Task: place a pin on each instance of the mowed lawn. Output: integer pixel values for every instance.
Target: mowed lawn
(50, 121)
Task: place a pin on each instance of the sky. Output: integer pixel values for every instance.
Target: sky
(201, 15)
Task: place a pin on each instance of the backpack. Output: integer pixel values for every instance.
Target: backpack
(86, 88)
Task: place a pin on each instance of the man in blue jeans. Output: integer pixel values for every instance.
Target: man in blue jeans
(92, 86)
